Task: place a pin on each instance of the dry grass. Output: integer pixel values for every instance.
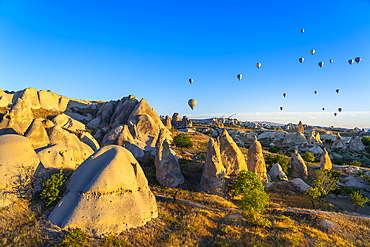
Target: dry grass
(44, 113)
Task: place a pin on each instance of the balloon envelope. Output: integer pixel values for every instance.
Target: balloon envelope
(302, 31)
(350, 61)
(331, 60)
(337, 90)
(301, 60)
(335, 114)
(192, 103)
(323, 109)
(315, 92)
(340, 109)
(321, 64)
(284, 94)
(239, 76)
(258, 65)
(281, 108)
(357, 59)
(312, 52)
(191, 80)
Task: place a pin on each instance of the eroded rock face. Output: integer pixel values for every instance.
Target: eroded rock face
(18, 119)
(231, 156)
(167, 122)
(89, 140)
(216, 123)
(256, 162)
(81, 151)
(185, 123)
(213, 176)
(37, 134)
(68, 123)
(18, 163)
(103, 116)
(168, 170)
(356, 144)
(314, 137)
(295, 138)
(325, 162)
(106, 193)
(175, 120)
(52, 101)
(300, 127)
(57, 156)
(277, 172)
(123, 110)
(299, 168)
(30, 96)
(339, 142)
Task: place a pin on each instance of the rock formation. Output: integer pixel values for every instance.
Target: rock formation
(213, 176)
(295, 138)
(231, 156)
(89, 140)
(175, 120)
(300, 127)
(216, 123)
(167, 122)
(168, 170)
(68, 123)
(107, 193)
(17, 120)
(325, 162)
(339, 142)
(18, 163)
(277, 172)
(356, 144)
(299, 168)
(57, 156)
(314, 137)
(37, 134)
(185, 123)
(256, 162)
(123, 110)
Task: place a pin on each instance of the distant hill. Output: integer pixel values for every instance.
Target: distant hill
(270, 123)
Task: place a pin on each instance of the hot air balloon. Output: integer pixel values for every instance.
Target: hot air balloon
(358, 59)
(337, 90)
(323, 109)
(192, 103)
(312, 52)
(340, 109)
(281, 108)
(191, 80)
(321, 64)
(284, 94)
(350, 61)
(335, 114)
(331, 60)
(315, 92)
(302, 31)
(239, 76)
(258, 65)
(301, 59)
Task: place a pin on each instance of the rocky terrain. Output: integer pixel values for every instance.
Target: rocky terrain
(125, 177)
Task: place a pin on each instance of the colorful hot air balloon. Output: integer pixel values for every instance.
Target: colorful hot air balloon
(281, 108)
(301, 60)
(335, 114)
(337, 90)
(340, 109)
(239, 76)
(321, 64)
(323, 109)
(350, 61)
(258, 65)
(191, 80)
(284, 94)
(315, 92)
(312, 52)
(331, 60)
(358, 59)
(302, 30)
(192, 103)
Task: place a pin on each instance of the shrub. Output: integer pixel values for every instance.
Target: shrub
(323, 184)
(182, 141)
(358, 199)
(220, 244)
(355, 163)
(281, 160)
(329, 140)
(54, 188)
(113, 240)
(366, 140)
(76, 237)
(274, 149)
(308, 157)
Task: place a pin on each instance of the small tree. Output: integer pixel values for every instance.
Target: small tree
(358, 199)
(366, 140)
(308, 157)
(182, 141)
(323, 184)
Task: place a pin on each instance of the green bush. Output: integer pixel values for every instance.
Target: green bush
(308, 157)
(54, 188)
(355, 163)
(358, 199)
(366, 140)
(329, 140)
(113, 240)
(220, 244)
(182, 141)
(76, 238)
(281, 160)
(274, 149)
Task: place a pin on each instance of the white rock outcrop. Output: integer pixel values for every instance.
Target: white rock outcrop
(37, 134)
(256, 162)
(298, 166)
(325, 161)
(277, 172)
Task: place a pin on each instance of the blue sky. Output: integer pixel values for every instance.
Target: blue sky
(105, 50)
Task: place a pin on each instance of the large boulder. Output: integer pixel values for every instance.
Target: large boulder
(299, 168)
(338, 143)
(57, 156)
(256, 162)
(18, 163)
(213, 176)
(81, 151)
(37, 134)
(231, 156)
(325, 162)
(356, 144)
(314, 137)
(68, 123)
(123, 110)
(168, 170)
(88, 139)
(30, 96)
(52, 101)
(125, 139)
(175, 119)
(295, 138)
(277, 172)
(18, 119)
(107, 193)
(144, 129)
